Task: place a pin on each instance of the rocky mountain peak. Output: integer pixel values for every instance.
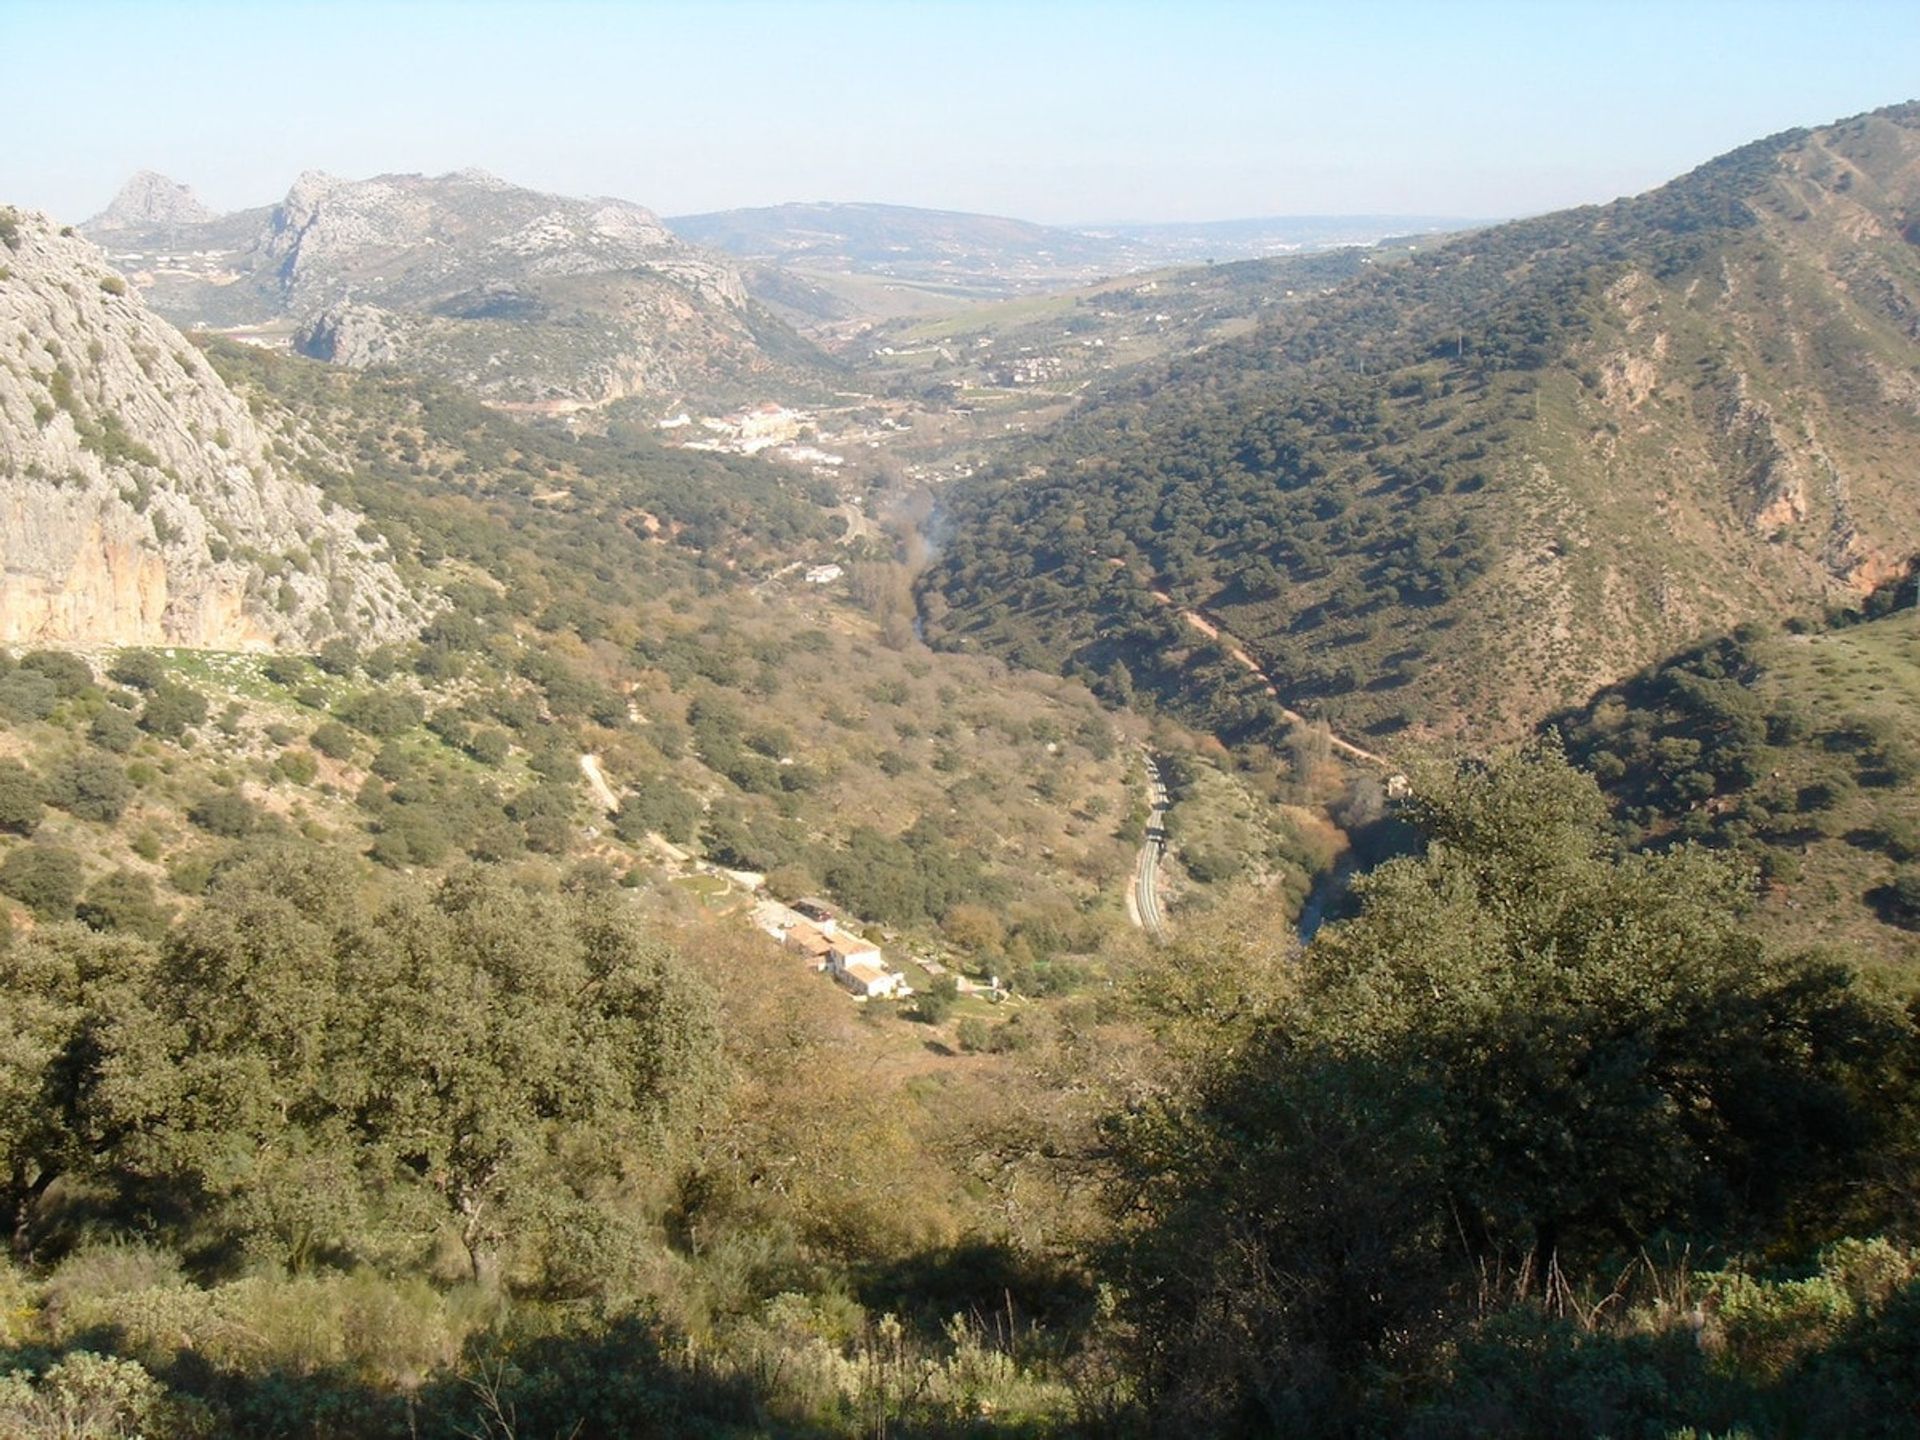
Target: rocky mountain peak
(150, 201)
(142, 502)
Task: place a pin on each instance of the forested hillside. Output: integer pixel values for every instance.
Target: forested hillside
(1457, 492)
(1798, 753)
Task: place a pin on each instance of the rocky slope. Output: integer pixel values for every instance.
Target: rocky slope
(141, 501)
(513, 295)
(149, 202)
(1455, 493)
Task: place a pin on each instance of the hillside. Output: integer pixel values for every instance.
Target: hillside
(1798, 751)
(508, 293)
(145, 503)
(1453, 494)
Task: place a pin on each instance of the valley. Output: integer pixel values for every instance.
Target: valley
(847, 819)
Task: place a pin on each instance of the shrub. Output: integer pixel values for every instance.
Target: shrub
(299, 766)
(21, 799)
(70, 674)
(288, 670)
(333, 740)
(226, 813)
(26, 696)
(113, 730)
(660, 806)
(392, 763)
(124, 901)
(382, 713)
(171, 708)
(90, 787)
(489, 746)
(138, 669)
(44, 878)
(338, 657)
(933, 1004)
(1899, 899)
(84, 1394)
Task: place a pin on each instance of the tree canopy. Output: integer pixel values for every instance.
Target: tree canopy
(1527, 1055)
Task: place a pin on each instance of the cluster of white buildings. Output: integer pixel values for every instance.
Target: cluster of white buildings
(811, 930)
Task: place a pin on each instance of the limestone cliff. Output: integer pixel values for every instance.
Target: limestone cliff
(141, 501)
(150, 202)
(506, 292)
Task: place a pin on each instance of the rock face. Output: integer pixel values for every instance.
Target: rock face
(141, 501)
(508, 293)
(150, 202)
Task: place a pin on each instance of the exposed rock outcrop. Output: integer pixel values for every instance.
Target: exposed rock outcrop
(141, 501)
(357, 336)
(150, 202)
(509, 293)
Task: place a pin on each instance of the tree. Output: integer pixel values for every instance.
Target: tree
(140, 669)
(90, 786)
(933, 1004)
(22, 800)
(70, 674)
(124, 901)
(226, 813)
(326, 1071)
(113, 730)
(44, 878)
(1526, 1053)
(172, 708)
(332, 739)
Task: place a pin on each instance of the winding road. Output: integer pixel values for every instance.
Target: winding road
(1146, 874)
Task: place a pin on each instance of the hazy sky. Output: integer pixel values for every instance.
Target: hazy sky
(1052, 111)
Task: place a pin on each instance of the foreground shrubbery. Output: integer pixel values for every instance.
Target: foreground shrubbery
(1541, 1143)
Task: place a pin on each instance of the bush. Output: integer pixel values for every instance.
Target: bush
(1900, 899)
(138, 669)
(113, 730)
(333, 740)
(26, 696)
(226, 813)
(338, 657)
(70, 674)
(933, 1004)
(44, 878)
(489, 746)
(392, 763)
(299, 766)
(659, 806)
(124, 901)
(382, 713)
(90, 787)
(83, 1395)
(21, 799)
(171, 708)
(408, 837)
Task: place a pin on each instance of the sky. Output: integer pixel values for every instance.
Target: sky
(1060, 112)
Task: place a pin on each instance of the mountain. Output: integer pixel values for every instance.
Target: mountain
(511, 294)
(1454, 493)
(145, 503)
(147, 203)
(813, 258)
